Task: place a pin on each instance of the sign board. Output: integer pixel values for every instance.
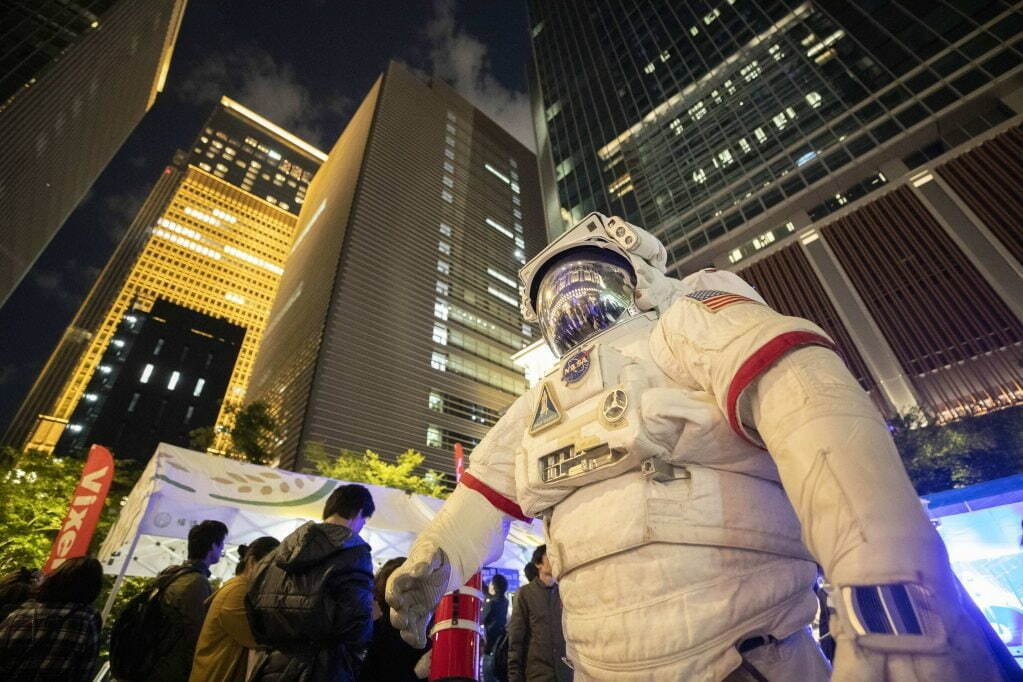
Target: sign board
(83, 513)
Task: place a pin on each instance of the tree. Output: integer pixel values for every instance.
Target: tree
(36, 489)
(252, 436)
(367, 467)
(960, 453)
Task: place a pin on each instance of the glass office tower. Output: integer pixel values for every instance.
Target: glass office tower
(734, 129)
(75, 79)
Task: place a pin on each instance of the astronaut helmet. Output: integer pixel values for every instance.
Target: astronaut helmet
(583, 282)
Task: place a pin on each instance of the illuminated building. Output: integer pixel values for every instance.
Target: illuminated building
(398, 311)
(75, 79)
(164, 374)
(212, 237)
(857, 161)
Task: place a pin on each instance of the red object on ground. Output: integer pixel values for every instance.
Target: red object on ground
(84, 510)
(456, 634)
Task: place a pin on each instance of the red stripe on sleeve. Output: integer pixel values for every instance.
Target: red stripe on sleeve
(764, 357)
(493, 497)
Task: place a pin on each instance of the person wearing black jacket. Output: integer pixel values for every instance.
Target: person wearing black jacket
(310, 601)
(389, 657)
(495, 621)
(536, 643)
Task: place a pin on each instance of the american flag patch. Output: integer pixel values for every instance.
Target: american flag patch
(716, 300)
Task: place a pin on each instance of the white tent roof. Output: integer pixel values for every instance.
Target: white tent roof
(180, 488)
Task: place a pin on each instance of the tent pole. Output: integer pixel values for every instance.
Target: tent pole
(120, 577)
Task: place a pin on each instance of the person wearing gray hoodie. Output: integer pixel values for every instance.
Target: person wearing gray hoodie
(310, 601)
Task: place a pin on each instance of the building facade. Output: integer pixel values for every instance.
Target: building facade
(163, 375)
(398, 311)
(212, 237)
(75, 79)
(829, 152)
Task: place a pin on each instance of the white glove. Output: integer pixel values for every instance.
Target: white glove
(422, 669)
(414, 590)
(467, 532)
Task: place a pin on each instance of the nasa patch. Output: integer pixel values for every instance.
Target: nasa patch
(576, 367)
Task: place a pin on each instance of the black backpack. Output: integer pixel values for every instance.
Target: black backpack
(288, 610)
(500, 654)
(140, 636)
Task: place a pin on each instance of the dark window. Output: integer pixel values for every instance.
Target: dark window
(911, 115)
(939, 99)
(969, 81)
(1001, 62)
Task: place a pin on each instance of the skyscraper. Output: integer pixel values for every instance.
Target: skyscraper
(75, 79)
(398, 311)
(830, 152)
(163, 375)
(212, 237)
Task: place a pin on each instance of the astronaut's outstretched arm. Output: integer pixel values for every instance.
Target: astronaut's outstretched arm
(900, 614)
(782, 386)
(468, 531)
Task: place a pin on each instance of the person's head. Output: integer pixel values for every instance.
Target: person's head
(206, 541)
(531, 572)
(250, 555)
(16, 587)
(498, 585)
(76, 581)
(349, 505)
(543, 564)
(380, 581)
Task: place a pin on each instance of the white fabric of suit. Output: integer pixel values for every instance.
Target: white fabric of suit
(660, 581)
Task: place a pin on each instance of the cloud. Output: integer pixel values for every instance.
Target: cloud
(118, 210)
(9, 373)
(251, 76)
(463, 61)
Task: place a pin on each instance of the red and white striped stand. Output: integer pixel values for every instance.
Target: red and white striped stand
(456, 634)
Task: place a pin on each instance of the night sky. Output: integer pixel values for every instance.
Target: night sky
(303, 64)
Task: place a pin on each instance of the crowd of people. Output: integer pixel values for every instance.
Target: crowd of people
(305, 608)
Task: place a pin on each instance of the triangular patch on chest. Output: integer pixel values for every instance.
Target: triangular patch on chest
(547, 412)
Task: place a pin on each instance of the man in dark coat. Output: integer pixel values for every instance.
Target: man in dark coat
(536, 644)
(310, 601)
(183, 603)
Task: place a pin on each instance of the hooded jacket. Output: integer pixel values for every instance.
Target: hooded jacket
(310, 603)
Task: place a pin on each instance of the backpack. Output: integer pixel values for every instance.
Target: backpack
(288, 610)
(500, 654)
(139, 637)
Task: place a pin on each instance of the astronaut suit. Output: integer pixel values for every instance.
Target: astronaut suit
(693, 456)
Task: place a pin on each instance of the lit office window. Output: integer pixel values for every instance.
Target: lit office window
(440, 333)
(198, 387)
(173, 381)
(439, 361)
(433, 437)
(147, 372)
(440, 309)
(443, 267)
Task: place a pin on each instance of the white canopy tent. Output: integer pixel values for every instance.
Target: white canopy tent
(181, 487)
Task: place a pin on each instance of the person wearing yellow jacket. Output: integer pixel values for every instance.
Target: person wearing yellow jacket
(222, 652)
